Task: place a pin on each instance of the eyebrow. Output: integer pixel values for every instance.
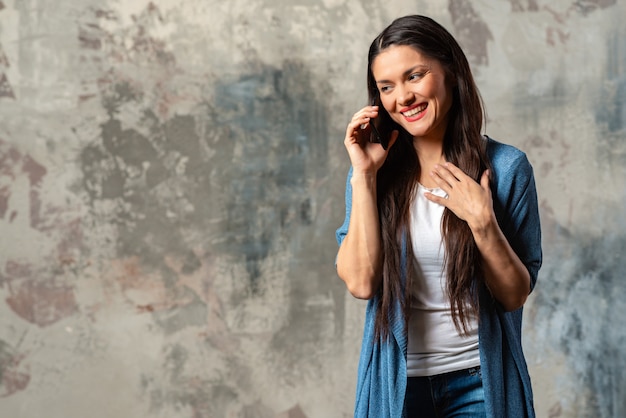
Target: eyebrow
(406, 73)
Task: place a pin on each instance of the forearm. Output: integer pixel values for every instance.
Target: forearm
(359, 261)
(505, 275)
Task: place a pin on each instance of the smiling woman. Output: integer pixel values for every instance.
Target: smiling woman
(441, 234)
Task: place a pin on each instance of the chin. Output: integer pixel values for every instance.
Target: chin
(416, 133)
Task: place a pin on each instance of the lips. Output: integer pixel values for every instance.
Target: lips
(414, 112)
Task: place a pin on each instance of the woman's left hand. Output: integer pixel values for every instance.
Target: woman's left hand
(505, 275)
(469, 200)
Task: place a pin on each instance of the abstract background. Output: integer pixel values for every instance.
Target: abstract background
(172, 174)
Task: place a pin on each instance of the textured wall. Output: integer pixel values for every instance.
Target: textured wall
(172, 172)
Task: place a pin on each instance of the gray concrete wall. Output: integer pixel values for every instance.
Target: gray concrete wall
(172, 173)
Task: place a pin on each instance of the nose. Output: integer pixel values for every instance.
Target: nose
(405, 96)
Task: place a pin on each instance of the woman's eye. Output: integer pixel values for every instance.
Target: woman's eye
(384, 89)
(415, 76)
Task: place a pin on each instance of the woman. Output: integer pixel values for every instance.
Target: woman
(441, 235)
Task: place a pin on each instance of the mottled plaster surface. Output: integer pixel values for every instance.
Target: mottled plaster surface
(172, 173)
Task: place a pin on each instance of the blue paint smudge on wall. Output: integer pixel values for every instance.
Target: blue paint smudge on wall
(277, 128)
(580, 308)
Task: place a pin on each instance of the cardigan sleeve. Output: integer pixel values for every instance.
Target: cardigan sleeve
(341, 232)
(515, 204)
(381, 382)
(508, 390)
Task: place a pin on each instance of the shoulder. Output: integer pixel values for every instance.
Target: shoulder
(507, 158)
(512, 174)
(510, 166)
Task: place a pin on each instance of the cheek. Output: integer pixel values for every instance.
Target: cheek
(433, 89)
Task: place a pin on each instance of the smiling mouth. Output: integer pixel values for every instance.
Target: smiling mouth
(414, 111)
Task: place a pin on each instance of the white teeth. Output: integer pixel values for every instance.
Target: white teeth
(414, 112)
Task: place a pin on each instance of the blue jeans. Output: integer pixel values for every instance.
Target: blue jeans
(455, 394)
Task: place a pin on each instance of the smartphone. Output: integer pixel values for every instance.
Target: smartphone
(376, 135)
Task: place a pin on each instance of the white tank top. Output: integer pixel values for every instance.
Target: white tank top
(434, 344)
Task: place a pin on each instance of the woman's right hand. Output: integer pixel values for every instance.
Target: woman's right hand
(365, 156)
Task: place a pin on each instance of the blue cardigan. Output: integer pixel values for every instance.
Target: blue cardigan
(381, 384)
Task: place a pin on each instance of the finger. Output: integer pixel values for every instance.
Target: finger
(353, 131)
(436, 199)
(443, 177)
(456, 171)
(440, 182)
(366, 112)
(360, 121)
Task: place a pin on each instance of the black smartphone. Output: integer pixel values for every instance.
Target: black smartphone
(376, 136)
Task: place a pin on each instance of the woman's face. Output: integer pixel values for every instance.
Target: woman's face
(414, 91)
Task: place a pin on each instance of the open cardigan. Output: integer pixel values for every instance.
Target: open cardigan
(382, 377)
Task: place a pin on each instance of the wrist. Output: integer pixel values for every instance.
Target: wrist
(363, 178)
(484, 229)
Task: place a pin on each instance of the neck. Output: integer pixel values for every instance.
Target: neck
(429, 152)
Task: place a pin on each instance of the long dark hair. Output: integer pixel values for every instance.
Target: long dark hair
(463, 146)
